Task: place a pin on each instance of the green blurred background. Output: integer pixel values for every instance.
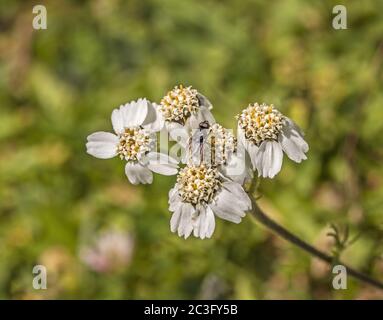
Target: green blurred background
(60, 84)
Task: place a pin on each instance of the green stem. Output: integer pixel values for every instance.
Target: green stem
(260, 216)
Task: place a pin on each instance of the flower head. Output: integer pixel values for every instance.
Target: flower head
(183, 108)
(198, 184)
(266, 133)
(179, 104)
(261, 122)
(135, 125)
(135, 143)
(200, 193)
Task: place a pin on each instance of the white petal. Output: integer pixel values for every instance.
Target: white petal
(277, 158)
(228, 201)
(226, 207)
(226, 215)
(154, 119)
(175, 220)
(241, 136)
(269, 158)
(292, 150)
(196, 226)
(102, 136)
(138, 173)
(117, 121)
(162, 164)
(253, 151)
(185, 223)
(237, 168)
(258, 164)
(102, 145)
(294, 126)
(173, 193)
(177, 132)
(293, 143)
(250, 147)
(207, 115)
(199, 220)
(175, 205)
(175, 200)
(203, 223)
(243, 200)
(134, 113)
(204, 102)
(210, 220)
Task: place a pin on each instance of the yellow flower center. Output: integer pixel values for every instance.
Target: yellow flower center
(135, 143)
(261, 122)
(198, 184)
(179, 104)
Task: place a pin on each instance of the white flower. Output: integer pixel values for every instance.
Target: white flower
(200, 193)
(183, 109)
(265, 133)
(110, 252)
(214, 145)
(135, 125)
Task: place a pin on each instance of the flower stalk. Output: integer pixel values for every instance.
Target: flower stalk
(281, 231)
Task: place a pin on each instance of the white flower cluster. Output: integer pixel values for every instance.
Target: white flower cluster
(214, 162)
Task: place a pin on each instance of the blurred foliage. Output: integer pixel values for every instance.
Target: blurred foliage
(60, 84)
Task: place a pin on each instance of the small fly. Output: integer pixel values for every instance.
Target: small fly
(202, 133)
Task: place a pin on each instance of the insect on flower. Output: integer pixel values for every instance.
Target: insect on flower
(215, 164)
(202, 190)
(214, 145)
